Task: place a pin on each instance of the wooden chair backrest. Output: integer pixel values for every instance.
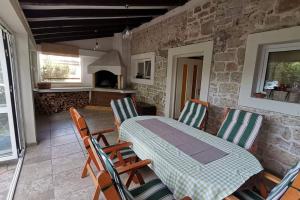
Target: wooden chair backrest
(293, 192)
(198, 101)
(103, 179)
(296, 182)
(79, 122)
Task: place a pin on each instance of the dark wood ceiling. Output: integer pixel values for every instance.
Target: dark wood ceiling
(63, 20)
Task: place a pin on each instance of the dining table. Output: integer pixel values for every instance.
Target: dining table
(191, 162)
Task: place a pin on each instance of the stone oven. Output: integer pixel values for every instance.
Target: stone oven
(108, 71)
(105, 79)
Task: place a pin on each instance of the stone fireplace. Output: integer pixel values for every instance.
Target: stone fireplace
(105, 79)
(108, 71)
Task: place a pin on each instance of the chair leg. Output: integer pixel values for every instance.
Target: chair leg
(97, 193)
(105, 140)
(139, 178)
(130, 178)
(136, 177)
(99, 137)
(85, 168)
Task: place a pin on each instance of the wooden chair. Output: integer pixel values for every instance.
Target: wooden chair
(195, 113)
(108, 180)
(123, 109)
(287, 188)
(119, 153)
(240, 127)
(100, 134)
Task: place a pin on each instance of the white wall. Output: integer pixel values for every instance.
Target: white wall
(105, 44)
(87, 58)
(27, 102)
(11, 16)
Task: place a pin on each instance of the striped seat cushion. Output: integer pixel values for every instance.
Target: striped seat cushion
(126, 153)
(240, 127)
(247, 195)
(152, 190)
(192, 114)
(123, 109)
(111, 170)
(287, 180)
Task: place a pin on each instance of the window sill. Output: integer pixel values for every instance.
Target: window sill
(271, 105)
(142, 81)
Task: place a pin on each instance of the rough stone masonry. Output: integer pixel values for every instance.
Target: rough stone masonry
(227, 23)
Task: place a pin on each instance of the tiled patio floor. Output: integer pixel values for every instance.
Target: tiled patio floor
(7, 171)
(52, 169)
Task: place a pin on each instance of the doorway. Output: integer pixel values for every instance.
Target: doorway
(8, 134)
(188, 81)
(201, 51)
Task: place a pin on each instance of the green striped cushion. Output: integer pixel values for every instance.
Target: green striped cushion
(153, 190)
(110, 169)
(281, 188)
(247, 195)
(126, 153)
(192, 114)
(123, 109)
(240, 127)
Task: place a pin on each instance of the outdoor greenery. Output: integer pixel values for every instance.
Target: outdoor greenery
(287, 73)
(51, 70)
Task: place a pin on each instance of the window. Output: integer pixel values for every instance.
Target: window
(280, 72)
(267, 55)
(143, 68)
(57, 69)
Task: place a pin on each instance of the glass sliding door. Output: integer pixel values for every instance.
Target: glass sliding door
(8, 144)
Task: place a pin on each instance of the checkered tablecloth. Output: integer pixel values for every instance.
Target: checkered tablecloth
(180, 172)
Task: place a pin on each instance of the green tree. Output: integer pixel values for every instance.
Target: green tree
(54, 71)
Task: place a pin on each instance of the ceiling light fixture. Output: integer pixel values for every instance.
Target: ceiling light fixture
(126, 34)
(97, 45)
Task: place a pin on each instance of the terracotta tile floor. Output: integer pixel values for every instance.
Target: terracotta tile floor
(52, 169)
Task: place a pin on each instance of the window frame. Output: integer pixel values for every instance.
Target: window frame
(266, 50)
(250, 72)
(57, 82)
(143, 58)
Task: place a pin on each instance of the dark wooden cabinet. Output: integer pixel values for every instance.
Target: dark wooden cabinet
(145, 108)
(103, 98)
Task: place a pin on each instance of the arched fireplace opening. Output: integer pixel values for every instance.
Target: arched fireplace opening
(106, 79)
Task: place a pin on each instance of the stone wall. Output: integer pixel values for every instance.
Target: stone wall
(227, 23)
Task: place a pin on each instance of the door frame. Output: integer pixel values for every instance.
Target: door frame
(9, 109)
(204, 49)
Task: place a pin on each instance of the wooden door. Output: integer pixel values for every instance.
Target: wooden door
(188, 82)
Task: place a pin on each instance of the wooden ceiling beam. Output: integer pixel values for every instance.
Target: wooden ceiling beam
(91, 13)
(105, 2)
(69, 38)
(80, 28)
(85, 22)
(75, 34)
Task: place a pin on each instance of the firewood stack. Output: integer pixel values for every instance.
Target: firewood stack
(49, 103)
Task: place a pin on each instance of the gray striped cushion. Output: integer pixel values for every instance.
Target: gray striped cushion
(247, 195)
(192, 114)
(123, 109)
(240, 127)
(281, 188)
(153, 190)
